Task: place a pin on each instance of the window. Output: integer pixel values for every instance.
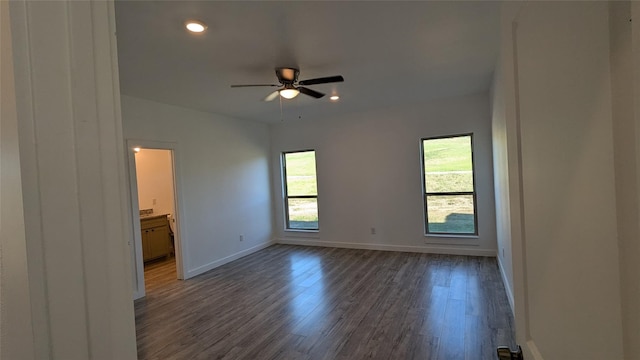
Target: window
(300, 190)
(448, 185)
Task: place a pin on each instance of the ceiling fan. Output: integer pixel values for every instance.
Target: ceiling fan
(290, 87)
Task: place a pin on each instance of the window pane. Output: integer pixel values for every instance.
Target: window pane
(303, 214)
(301, 173)
(450, 214)
(448, 164)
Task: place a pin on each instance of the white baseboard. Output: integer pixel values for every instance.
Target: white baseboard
(214, 264)
(507, 286)
(530, 351)
(450, 250)
(138, 294)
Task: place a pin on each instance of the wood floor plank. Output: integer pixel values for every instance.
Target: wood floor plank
(296, 302)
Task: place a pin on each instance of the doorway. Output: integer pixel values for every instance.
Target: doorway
(155, 212)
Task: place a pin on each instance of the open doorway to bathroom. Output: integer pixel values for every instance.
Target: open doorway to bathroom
(154, 177)
(155, 215)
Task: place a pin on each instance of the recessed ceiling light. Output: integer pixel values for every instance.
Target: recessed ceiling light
(195, 26)
(334, 98)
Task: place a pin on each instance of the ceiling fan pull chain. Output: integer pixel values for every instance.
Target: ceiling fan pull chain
(281, 114)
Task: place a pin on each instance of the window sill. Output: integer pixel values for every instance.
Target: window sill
(302, 231)
(452, 236)
(447, 239)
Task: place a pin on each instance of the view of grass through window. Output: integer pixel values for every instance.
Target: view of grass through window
(448, 185)
(301, 190)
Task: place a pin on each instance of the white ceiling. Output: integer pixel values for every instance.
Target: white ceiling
(390, 53)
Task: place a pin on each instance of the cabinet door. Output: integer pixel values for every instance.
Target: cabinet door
(159, 241)
(146, 245)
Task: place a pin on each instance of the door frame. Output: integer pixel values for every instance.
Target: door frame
(180, 244)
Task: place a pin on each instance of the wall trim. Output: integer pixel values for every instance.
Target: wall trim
(214, 264)
(450, 250)
(507, 287)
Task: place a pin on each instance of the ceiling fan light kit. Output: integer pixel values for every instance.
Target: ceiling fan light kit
(290, 87)
(289, 93)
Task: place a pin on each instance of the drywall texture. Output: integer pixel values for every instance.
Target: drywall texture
(223, 171)
(573, 282)
(369, 175)
(154, 172)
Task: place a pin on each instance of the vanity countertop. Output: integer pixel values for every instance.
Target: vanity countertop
(152, 216)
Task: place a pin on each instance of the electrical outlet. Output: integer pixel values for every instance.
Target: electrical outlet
(373, 231)
(241, 237)
(155, 201)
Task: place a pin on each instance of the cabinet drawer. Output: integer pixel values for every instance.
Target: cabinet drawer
(153, 222)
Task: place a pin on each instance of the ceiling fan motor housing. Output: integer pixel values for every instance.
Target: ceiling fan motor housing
(287, 75)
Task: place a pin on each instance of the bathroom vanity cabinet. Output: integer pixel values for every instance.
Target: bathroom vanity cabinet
(156, 239)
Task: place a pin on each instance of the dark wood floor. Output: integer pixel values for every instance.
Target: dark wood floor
(294, 302)
(159, 274)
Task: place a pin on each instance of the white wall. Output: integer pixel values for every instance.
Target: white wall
(570, 248)
(154, 169)
(508, 176)
(501, 179)
(73, 180)
(506, 164)
(222, 164)
(368, 168)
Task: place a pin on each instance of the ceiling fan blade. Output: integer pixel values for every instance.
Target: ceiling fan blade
(272, 96)
(310, 92)
(250, 85)
(322, 80)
